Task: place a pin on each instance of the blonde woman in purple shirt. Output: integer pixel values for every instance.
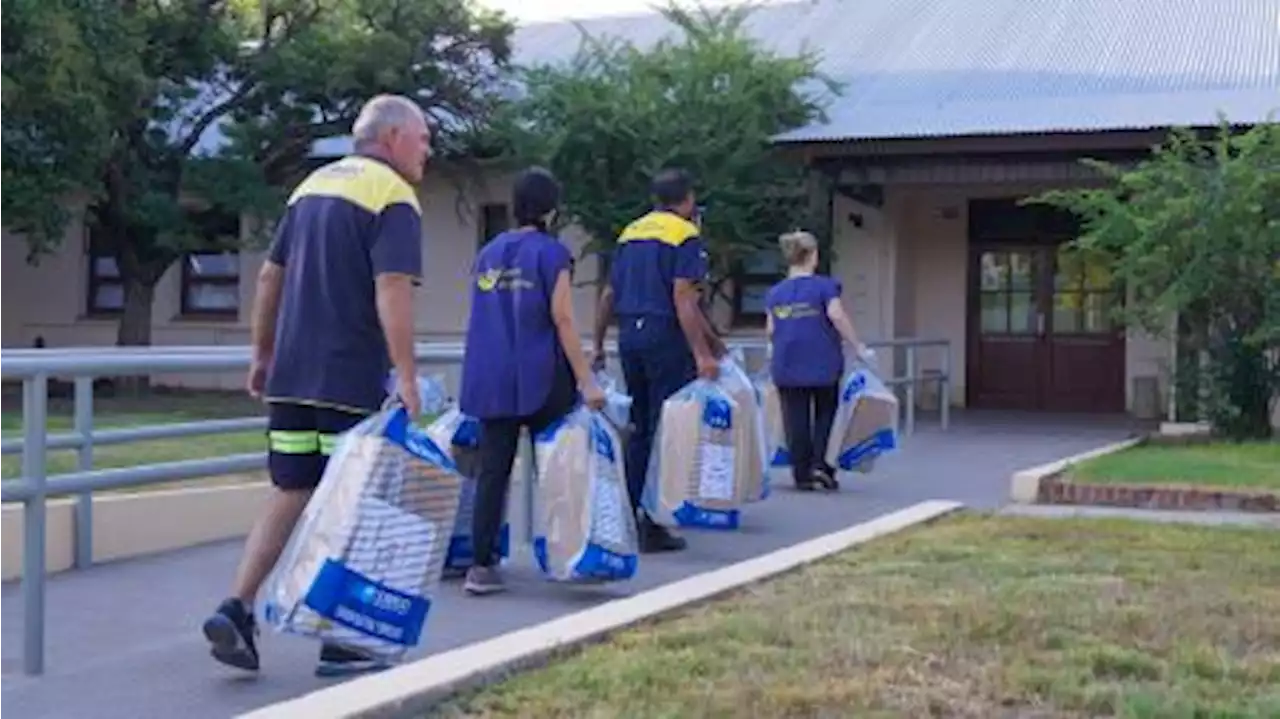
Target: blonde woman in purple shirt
(806, 327)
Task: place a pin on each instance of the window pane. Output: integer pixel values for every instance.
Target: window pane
(1097, 312)
(994, 317)
(105, 267)
(495, 218)
(222, 264)
(213, 298)
(1022, 312)
(107, 298)
(767, 261)
(1021, 271)
(753, 299)
(1066, 312)
(1097, 274)
(994, 270)
(1069, 272)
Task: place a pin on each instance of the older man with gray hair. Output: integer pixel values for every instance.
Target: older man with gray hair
(332, 315)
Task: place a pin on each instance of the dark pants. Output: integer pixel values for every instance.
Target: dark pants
(497, 453)
(807, 414)
(656, 363)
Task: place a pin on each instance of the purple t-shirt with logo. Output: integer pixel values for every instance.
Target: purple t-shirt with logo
(512, 351)
(806, 346)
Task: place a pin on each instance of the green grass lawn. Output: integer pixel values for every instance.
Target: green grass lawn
(1251, 465)
(973, 616)
(160, 408)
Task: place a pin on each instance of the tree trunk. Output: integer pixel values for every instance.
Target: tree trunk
(135, 327)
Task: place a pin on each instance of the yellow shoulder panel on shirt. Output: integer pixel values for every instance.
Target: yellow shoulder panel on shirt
(665, 227)
(360, 181)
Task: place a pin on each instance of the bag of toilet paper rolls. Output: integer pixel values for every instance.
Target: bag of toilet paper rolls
(365, 556)
(752, 472)
(458, 435)
(774, 431)
(865, 425)
(584, 529)
(708, 453)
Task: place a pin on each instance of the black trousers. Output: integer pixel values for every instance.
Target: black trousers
(656, 363)
(807, 414)
(497, 453)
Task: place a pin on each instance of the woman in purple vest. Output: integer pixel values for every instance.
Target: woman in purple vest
(523, 365)
(806, 323)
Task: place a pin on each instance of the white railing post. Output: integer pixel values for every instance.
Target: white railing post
(84, 501)
(35, 399)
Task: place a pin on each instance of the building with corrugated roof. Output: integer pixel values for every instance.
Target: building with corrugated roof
(952, 111)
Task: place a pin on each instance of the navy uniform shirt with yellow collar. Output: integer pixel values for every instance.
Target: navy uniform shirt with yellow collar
(652, 253)
(347, 223)
(513, 358)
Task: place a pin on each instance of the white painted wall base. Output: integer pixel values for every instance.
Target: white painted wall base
(131, 525)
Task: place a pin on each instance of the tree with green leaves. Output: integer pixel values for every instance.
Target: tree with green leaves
(161, 113)
(1193, 232)
(707, 99)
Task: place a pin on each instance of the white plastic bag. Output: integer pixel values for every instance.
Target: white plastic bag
(459, 436)
(584, 530)
(735, 381)
(364, 558)
(708, 453)
(432, 396)
(865, 424)
(617, 403)
(774, 431)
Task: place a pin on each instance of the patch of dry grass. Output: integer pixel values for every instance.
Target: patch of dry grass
(974, 616)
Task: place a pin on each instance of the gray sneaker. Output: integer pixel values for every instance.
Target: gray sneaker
(483, 580)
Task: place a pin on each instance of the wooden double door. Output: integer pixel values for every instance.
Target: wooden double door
(1042, 333)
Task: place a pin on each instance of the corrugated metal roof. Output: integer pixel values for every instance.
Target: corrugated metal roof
(932, 68)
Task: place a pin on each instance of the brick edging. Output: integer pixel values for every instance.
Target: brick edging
(1058, 489)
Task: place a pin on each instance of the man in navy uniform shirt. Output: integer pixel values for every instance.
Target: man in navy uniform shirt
(332, 314)
(664, 339)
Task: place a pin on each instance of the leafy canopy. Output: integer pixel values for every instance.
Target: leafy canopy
(707, 99)
(1194, 231)
(121, 102)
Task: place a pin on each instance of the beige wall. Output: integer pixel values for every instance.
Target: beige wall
(49, 300)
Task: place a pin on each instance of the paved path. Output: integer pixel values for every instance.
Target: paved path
(123, 638)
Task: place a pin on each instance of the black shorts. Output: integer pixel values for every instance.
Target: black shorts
(300, 439)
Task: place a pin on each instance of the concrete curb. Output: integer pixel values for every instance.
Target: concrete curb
(1024, 486)
(416, 686)
(1212, 519)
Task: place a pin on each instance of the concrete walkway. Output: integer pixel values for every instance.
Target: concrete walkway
(123, 638)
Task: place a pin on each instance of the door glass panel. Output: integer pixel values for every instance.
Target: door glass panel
(1066, 312)
(1097, 274)
(1021, 271)
(1097, 312)
(994, 271)
(1069, 272)
(1022, 312)
(994, 316)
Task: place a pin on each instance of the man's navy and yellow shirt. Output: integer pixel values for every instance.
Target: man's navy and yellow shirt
(653, 252)
(347, 223)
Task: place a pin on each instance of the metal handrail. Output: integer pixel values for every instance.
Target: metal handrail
(36, 366)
